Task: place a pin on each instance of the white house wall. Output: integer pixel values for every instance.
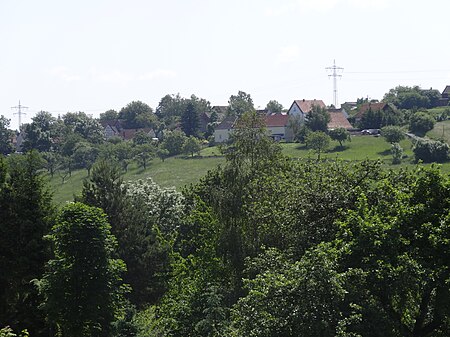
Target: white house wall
(222, 135)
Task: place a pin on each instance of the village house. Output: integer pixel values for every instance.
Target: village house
(338, 119)
(301, 107)
(279, 125)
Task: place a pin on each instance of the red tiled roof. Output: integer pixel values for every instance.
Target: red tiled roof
(128, 134)
(374, 106)
(306, 104)
(276, 120)
(338, 120)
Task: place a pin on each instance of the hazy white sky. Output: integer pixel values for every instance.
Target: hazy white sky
(95, 55)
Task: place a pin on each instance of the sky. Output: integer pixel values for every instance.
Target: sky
(94, 55)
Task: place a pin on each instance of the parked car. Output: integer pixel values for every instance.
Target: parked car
(372, 132)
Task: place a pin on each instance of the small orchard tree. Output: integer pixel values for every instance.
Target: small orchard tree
(143, 154)
(392, 134)
(82, 287)
(162, 153)
(397, 153)
(191, 146)
(318, 141)
(174, 141)
(340, 134)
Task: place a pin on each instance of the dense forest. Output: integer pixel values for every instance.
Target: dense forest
(263, 245)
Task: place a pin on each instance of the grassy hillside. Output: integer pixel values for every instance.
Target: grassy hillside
(441, 130)
(179, 172)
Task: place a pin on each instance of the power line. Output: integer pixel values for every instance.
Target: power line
(335, 75)
(19, 112)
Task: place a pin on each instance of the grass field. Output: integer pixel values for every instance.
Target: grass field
(441, 131)
(179, 172)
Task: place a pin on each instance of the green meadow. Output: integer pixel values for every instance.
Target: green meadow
(182, 171)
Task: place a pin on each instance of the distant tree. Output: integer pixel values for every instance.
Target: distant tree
(85, 155)
(82, 287)
(143, 154)
(191, 146)
(6, 146)
(51, 161)
(109, 115)
(317, 119)
(239, 104)
(137, 115)
(142, 137)
(318, 141)
(274, 107)
(340, 134)
(162, 153)
(170, 108)
(190, 122)
(421, 122)
(174, 141)
(83, 125)
(40, 133)
(123, 151)
(393, 134)
(405, 97)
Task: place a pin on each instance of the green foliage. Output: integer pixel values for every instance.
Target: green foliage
(86, 127)
(26, 214)
(142, 137)
(40, 133)
(85, 155)
(190, 122)
(317, 119)
(430, 151)
(317, 141)
(8, 332)
(405, 97)
(82, 287)
(340, 134)
(143, 154)
(109, 115)
(397, 153)
(150, 220)
(289, 298)
(6, 146)
(174, 141)
(396, 246)
(421, 122)
(138, 115)
(240, 104)
(191, 146)
(274, 106)
(162, 153)
(392, 134)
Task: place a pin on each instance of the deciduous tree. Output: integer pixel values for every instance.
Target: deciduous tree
(82, 287)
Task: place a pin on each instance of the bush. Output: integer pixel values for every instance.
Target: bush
(429, 151)
(397, 153)
(421, 122)
(392, 134)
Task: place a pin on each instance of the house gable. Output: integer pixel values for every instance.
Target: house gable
(303, 106)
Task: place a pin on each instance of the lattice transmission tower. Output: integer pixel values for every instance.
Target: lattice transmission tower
(19, 112)
(335, 74)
